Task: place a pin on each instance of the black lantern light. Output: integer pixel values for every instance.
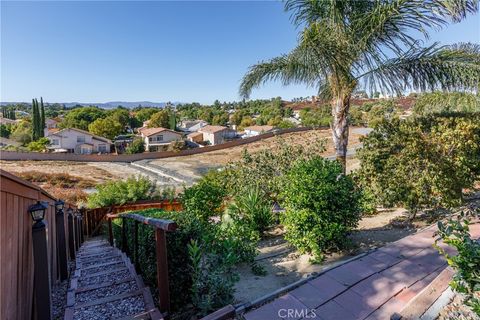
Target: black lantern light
(59, 205)
(70, 211)
(37, 211)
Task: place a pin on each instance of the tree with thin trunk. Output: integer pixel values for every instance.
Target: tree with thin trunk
(42, 118)
(376, 45)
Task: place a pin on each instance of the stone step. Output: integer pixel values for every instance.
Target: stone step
(106, 286)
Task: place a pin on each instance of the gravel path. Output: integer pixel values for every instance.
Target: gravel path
(106, 287)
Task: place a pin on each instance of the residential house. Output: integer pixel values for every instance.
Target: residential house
(156, 139)
(192, 125)
(257, 130)
(196, 137)
(78, 141)
(51, 126)
(51, 123)
(215, 134)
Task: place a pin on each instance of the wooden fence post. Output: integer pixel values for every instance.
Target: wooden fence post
(41, 272)
(162, 271)
(71, 236)
(110, 231)
(61, 246)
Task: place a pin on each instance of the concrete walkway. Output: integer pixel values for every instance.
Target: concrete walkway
(374, 286)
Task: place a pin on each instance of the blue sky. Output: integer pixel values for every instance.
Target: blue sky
(157, 51)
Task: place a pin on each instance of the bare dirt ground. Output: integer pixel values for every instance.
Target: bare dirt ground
(197, 165)
(284, 265)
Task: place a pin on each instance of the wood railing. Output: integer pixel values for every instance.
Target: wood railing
(94, 218)
(161, 227)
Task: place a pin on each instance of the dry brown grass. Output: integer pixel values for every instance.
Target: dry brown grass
(72, 195)
(57, 180)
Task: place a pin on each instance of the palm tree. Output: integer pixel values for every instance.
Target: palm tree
(374, 44)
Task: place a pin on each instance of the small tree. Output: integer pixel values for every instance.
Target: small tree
(107, 127)
(137, 146)
(39, 145)
(122, 191)
(322, 206)
(160, 119)
(422, 162)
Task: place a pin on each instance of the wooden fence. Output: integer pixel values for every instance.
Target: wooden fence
(93, 219)
(16, 246)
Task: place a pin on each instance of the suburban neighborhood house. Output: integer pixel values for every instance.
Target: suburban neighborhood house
(192, 125)
(257, 130)
(78, 141)
(213, 134)
(157, 138)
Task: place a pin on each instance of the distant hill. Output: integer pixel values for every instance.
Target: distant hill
(109, 105)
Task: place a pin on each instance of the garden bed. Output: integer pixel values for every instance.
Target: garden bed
(284, 265)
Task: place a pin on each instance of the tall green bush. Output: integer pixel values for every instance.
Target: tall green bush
(322, 206)
(124, 191)
(203, 199)
(423, 162)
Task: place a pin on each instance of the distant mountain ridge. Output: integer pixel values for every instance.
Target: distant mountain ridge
(109, 105)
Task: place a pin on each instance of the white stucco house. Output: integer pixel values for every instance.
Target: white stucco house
(216, 134)
(78, 141)
(192, 125)
(157, 138)
(257, 130)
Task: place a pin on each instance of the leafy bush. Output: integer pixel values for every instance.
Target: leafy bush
(5, 130)
(200, 258)
(176, 146)
(39, 145)
(466, 262)
(254, 208)
(123, 191)
(442, 102)
(264, 169)
(137, 146)
(322, 206)
(203, 199)
(212, 286)
(422, 162)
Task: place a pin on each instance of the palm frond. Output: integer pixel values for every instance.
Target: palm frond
(299, 66)
(454, 67)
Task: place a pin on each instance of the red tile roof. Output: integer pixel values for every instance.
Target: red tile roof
(151, 131)
(212, 129)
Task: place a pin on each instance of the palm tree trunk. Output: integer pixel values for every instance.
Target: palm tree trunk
(340, 107)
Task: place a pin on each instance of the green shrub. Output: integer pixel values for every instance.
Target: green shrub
(466, 262)
(39, 145)
(200, 258)
(203, 199)
(446, 102)
(212, 284)
(252, 205)
(137, 146)
(123, 191)
(322, 206)
(423, 162)
(5, 130)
